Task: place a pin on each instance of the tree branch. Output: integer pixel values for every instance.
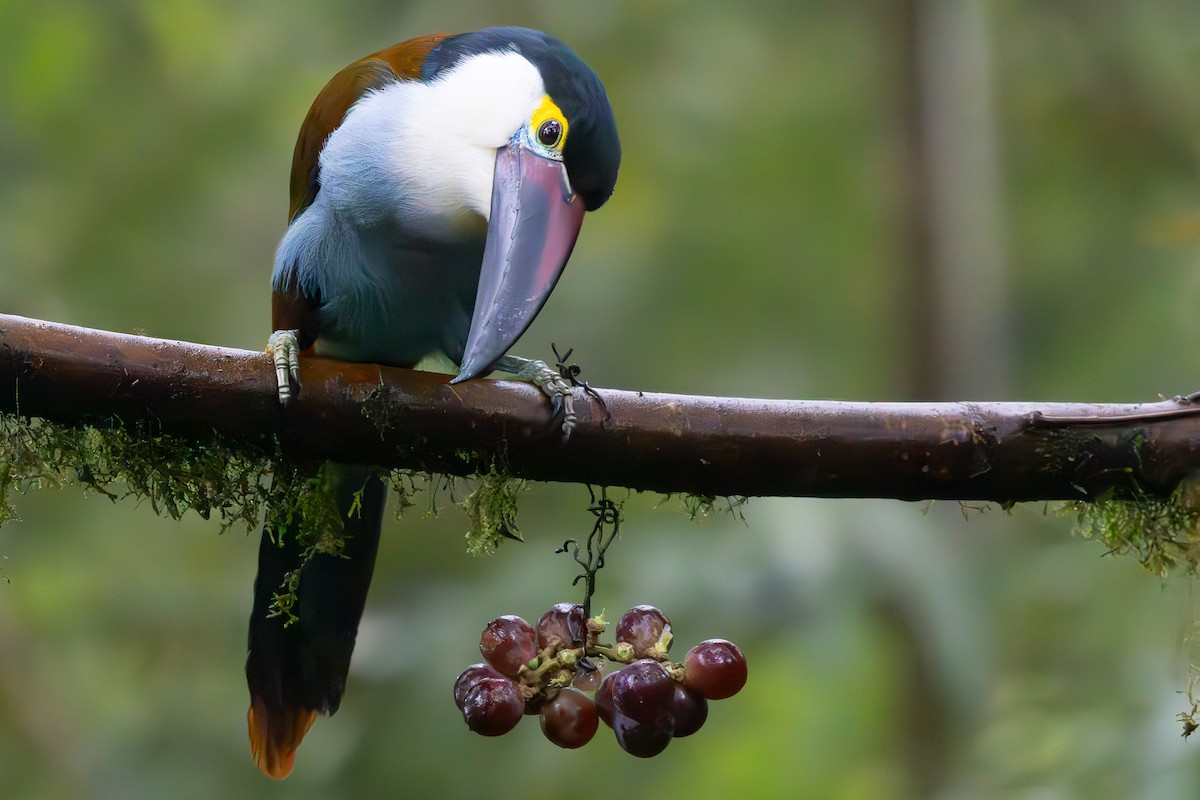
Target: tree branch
(1004, 452)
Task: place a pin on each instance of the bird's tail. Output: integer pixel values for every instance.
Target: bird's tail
(298, 670)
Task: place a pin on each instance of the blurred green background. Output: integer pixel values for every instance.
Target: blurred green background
(869, 200)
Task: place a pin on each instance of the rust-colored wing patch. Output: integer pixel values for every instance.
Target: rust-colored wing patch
(292, 309)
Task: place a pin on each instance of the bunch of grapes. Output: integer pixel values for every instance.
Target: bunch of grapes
(556, 671)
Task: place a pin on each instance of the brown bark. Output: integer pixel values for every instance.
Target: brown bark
(658, 442)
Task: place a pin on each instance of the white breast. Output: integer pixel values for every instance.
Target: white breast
(414, 150)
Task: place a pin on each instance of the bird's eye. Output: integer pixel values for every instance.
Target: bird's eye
(549, 132)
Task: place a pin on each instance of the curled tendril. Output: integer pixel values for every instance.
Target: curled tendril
(570, 374)
(608, 523)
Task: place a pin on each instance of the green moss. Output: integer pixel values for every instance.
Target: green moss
(404, 488)
(379, 408)
(241, 483)
(1062, 449)
(702, 506)
(1164, 532)
(236, 482)
(492, 510)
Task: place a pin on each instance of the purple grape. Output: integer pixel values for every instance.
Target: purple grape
(642, 739)
(469, 677)
(508, 643)
(564, 622)
(716, 668)
(643, 691)
(493, 706)
(691, 710)
(570, 720)
(642, 627)
(588, 680)
(604, 699)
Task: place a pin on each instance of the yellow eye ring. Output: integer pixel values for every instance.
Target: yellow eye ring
(548, 125)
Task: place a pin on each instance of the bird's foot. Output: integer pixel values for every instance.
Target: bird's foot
(548, 379)
(570, 374)
(284, 347)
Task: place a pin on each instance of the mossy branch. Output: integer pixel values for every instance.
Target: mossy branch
(208, 403)
(705, 446)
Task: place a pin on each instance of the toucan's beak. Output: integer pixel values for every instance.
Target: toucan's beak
(534, 222)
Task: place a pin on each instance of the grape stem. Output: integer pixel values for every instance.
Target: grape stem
(622, 652)
(608, 515)
(612, 653)
(556, 664)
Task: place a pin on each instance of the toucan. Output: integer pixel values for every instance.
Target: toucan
(437, 190)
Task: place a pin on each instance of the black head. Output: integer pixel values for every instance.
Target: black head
(592, 153)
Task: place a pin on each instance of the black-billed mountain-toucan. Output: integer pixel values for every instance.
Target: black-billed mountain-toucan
(437, 189)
